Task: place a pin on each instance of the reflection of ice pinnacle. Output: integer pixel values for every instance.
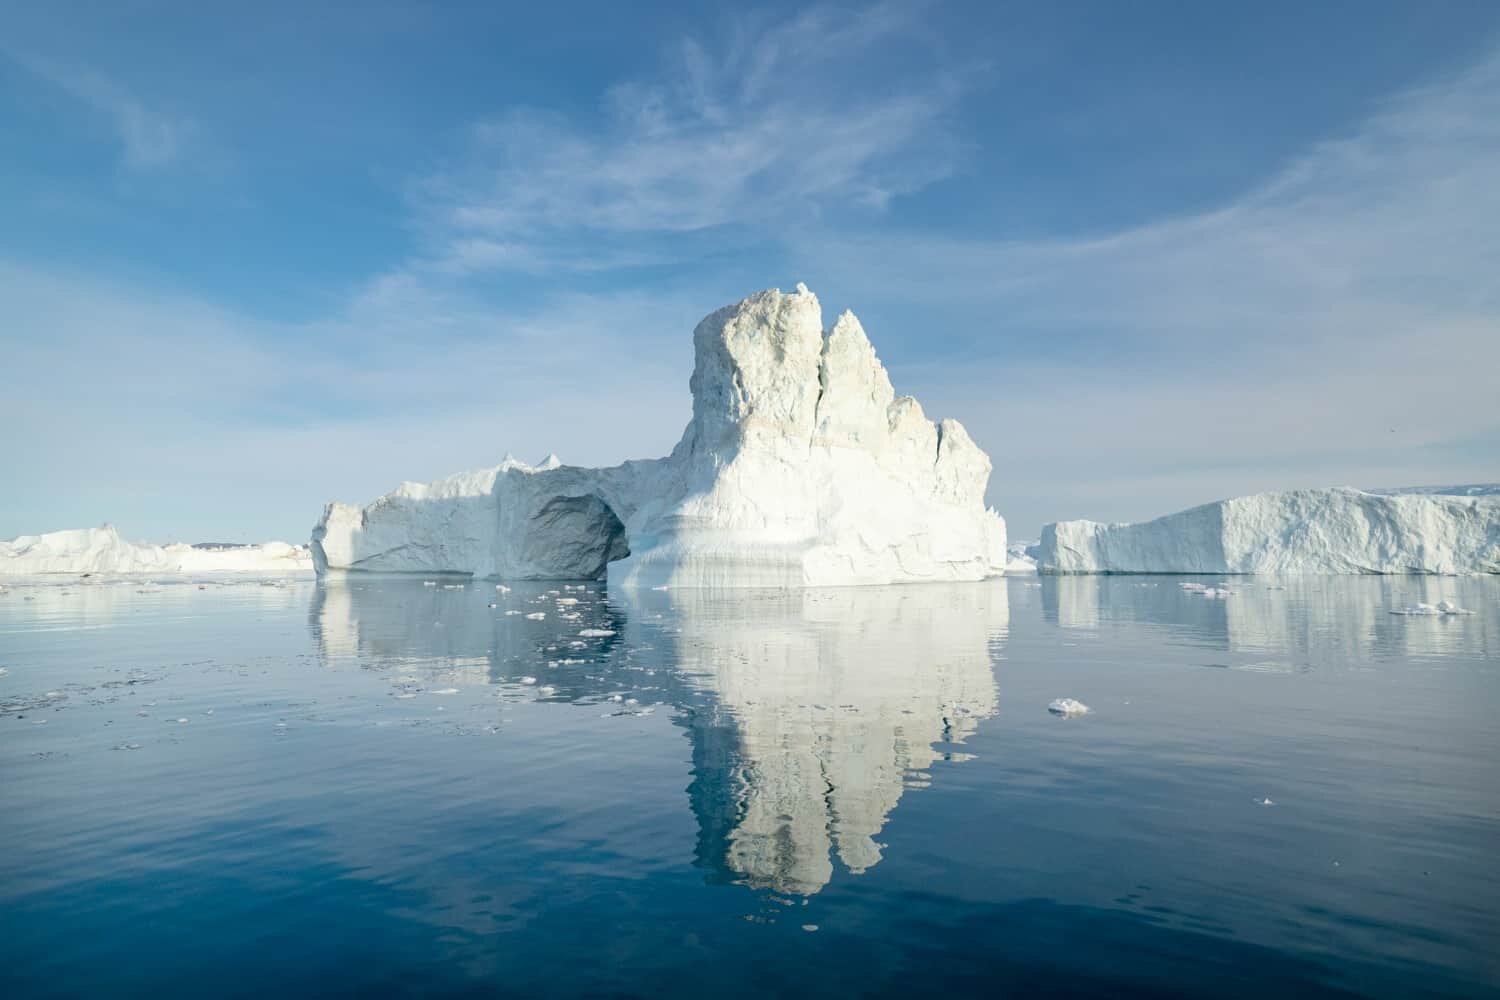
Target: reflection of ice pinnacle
(828, 706)
(810, 713)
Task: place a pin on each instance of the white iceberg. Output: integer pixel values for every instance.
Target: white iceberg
(800, 467)
(1338, 530)
(1067, 707)
(102, 550)
(1019, 558)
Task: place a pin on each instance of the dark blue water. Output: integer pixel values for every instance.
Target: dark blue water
(386, 787)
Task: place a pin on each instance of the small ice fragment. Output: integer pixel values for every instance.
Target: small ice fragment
(429, 583)
(810, 928)
(181, 720)
(546, 690)
(537, 616)
(446, 691)
(596, 633)
(1265, 802)
(512, 611)
(1067, 706)
(493, 604)
(528, 680)
(1441, 608)
(502, 588)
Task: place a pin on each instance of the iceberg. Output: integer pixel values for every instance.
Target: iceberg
(800, 467)
(1337, 530)
(102, 550)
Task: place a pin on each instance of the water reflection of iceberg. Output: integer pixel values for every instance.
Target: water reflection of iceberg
(810, 712)
(826, 706)
(1293, 620)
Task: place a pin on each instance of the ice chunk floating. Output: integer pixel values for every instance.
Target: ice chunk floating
(1339, 530)
(800, 467)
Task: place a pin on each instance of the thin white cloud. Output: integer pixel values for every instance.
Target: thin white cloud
(1341, 323)
(149, 138)
(772, 121)
(164, 412)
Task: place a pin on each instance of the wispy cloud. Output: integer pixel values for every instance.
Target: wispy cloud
(1339, 323)
(834, 110)
(149, 138)
(163, 411)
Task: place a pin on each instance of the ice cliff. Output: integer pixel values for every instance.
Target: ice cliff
(800, 467)
(1339, 530)
(102, 550)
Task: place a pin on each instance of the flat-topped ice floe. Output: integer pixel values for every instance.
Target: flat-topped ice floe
(1338, 530)
(800, 467)
(102, 550)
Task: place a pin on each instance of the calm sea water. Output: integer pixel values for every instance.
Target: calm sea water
(388, 787)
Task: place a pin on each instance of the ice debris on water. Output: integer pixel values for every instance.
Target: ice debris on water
(1067, 707)
(1204, 590)
(596, 633)
(537, 616)
(1440, 608)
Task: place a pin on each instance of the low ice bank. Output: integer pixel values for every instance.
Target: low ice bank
(102, 550)
(1338, 530)
(800, 467)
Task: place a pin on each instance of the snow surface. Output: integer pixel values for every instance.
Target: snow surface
(1466, 490)
(800, 467)
(102, 550)
(1338, 530)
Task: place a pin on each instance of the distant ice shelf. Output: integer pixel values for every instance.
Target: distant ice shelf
(1337, 530)
(102, 550)
(800, 467)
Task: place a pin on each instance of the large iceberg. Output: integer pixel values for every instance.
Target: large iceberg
(800, 467)
(1338, 530)
(102, 550)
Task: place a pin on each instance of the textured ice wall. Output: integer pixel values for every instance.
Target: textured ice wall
(800, 466)
(1338, 530)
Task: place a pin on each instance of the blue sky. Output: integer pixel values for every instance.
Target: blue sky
(255, 259)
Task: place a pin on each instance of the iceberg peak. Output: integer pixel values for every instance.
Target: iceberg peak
(800, 466)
